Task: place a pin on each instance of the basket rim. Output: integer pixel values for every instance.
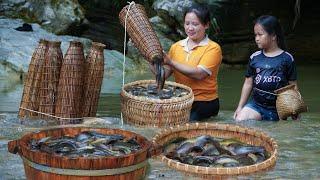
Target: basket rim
(23, 143)
(201, 170)
(159, 101)
(281, 90)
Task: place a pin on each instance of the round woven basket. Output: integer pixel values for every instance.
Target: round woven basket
(144, 111)
(289, 102)
(243, 134)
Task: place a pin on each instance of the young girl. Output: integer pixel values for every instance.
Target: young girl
(269, 69)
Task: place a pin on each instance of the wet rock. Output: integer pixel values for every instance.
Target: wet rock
(16, 47)
(54, 15)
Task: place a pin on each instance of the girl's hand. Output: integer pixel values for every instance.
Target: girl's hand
(236, 113)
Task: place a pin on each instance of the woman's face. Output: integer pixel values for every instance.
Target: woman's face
(262, 38)
(194, 28)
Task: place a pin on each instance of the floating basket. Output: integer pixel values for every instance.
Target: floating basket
(50, 78)
(94, 70)
(42, 165)
(70, 86)
(144, 111)
(141, 32)
(31, 88)
(289, 102)
(246, 135)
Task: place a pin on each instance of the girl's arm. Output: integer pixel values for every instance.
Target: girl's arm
(192, 72)
(245, 94)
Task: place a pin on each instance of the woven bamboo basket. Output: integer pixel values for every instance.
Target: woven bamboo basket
(243, 134)
(50, 78)
(144, 111)
(141, 32)
(70, 88)
(42, 165)
(289, 102)
(94, 70)
(31, 88)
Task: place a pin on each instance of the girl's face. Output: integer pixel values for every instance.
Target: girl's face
(194, 28)
(262, 38)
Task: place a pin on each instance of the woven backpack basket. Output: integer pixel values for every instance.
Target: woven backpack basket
(289, 102)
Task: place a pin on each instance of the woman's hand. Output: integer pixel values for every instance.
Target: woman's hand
(166, 59)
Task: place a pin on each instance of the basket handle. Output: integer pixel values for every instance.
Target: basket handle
(13, 147)
(154, 150)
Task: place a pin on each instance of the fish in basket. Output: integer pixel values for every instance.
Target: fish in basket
(83, 153)
(210, 150)
(142, 105)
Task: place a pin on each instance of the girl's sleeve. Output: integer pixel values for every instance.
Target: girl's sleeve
(292, 71)
(250, 70)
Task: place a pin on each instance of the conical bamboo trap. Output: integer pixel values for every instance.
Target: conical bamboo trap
(141, 32)
(289, 102)
(144, 111)
(70, 88)
(31, 88)
(243, 134)
(50, 78)
(94, 71)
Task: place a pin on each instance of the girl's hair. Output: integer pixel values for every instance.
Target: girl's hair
(202, 12)
(272, 26)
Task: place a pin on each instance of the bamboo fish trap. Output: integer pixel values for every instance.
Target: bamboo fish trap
(50, 78)
(141, 32)
(289, 102)
(70, 88)
(243, 134)
(42, 165)
(94, 70)
(32, 81)
(143, 111)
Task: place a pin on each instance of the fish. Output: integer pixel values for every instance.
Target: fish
(238, 149)
(160, 74)
(203, 161)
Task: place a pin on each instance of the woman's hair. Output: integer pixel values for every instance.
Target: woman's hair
(272, 26)
(202, 12)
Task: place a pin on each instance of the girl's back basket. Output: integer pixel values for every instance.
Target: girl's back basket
(289, 102)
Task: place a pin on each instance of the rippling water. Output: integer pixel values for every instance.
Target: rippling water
(299, 144)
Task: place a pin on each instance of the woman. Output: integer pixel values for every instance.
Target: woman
(195, 62)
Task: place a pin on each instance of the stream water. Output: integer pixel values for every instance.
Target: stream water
(299, 144)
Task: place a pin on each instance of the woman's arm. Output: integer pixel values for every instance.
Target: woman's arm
(192, 72)
(245, 94)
